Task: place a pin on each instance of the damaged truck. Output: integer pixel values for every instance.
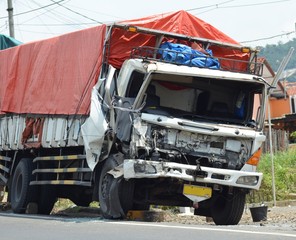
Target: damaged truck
(164, 110)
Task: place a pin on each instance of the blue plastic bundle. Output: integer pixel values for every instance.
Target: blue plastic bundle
(183, 54)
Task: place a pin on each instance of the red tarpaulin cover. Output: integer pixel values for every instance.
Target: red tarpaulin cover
(55, 76)
(180, 22)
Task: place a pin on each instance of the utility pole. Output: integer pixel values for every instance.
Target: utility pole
(10, 18)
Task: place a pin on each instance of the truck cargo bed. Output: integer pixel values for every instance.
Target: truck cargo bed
(23, 131)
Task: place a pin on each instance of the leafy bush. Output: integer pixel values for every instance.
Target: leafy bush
(285, 175)
(293, 137)
(274, 53)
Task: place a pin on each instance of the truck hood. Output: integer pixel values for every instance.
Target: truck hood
(214, 129)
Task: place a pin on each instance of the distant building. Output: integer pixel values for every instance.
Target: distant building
(282, 101)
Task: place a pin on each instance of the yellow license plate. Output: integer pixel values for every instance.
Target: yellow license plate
(197, 191)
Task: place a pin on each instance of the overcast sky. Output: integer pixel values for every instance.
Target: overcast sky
(242, 20)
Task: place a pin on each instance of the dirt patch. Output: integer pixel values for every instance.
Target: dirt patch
(284, 216)
(277, 216)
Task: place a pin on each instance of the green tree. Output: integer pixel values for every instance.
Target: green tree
(274, 53)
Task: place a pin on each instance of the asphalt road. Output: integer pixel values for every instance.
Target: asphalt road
(30, 227)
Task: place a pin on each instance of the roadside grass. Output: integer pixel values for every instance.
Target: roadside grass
(285, 176)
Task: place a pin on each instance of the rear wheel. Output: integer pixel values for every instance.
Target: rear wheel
(228, 208)
(21, 193)
(115, 194)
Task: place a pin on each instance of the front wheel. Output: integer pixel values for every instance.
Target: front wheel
(227, 208)
(115, 194)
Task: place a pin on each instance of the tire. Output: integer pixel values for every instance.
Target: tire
(21, 193)
(228, 208)
(115, 194)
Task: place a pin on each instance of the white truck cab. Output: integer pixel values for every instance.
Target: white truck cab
(188, 136)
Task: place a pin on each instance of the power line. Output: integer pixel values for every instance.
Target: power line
(217, 6)
(36, 9)
(55, 15)
(3, 27)
(208, 6)
(38, 15)
(256, 4)
(40, 32)
(267, 38)
(69, 9)
(57, 24)
(100, 13)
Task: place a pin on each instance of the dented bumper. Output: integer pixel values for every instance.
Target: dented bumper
(136, 168)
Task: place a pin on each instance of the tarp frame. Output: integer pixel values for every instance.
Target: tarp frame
(204, 41)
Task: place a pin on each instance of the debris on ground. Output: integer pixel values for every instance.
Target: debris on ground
(282, 216)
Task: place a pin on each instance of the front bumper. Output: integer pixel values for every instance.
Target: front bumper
(137, 168)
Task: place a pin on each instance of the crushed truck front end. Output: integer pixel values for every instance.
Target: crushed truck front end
(194, 135)
(202, 153)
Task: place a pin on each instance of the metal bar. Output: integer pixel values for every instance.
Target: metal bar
(5, 169)
(281, 68)
(233, 65)
(4, 179)
(61, 170)
(181, 36)
(8, 159)
(61, 182)
(59, 158)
